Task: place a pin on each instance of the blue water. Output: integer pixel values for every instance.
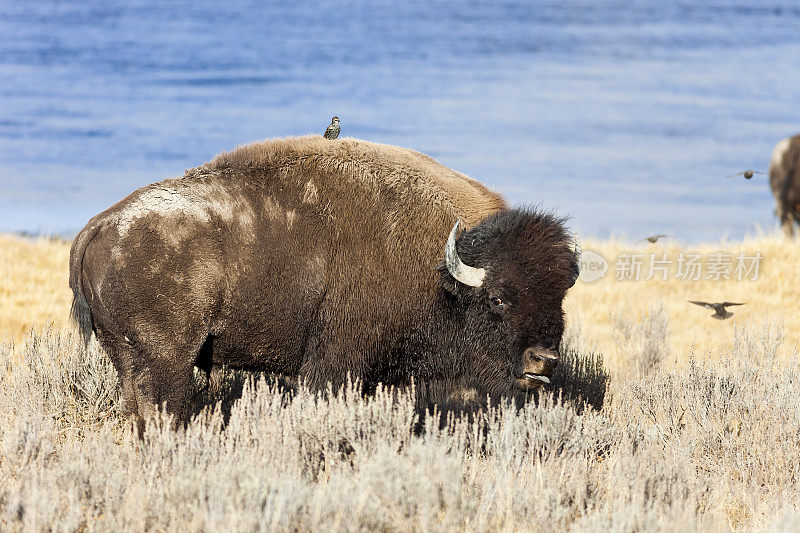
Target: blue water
(625, 115)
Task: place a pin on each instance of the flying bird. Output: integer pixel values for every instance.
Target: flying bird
(333, 130)
(720, 313)
(747, 174)
(654, 238)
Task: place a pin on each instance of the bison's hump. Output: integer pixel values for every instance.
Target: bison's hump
(379, 165)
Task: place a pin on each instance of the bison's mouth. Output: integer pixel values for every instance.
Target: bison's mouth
(535, 367)
(530, 381)
(530, 376)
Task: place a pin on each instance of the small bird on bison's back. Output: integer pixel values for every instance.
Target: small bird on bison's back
(747, 174)
(333, 130)
(720, 313)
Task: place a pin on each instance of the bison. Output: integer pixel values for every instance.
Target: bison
(784, 179)
(317, 259)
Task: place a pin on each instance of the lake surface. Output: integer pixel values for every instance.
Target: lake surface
(624, 115)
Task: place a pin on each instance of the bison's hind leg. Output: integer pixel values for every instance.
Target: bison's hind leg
(793, 222)
(787, 218)
(164, 384)
(787, 225)
(124, 358)
(152, 379)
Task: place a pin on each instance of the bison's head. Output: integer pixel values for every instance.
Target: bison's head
(508, 276)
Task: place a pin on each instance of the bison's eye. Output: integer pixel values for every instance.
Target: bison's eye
(498, 303)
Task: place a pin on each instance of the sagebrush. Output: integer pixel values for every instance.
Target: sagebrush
(711, 447)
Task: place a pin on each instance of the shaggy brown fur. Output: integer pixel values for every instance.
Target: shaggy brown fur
(784, 179)
(307, 257)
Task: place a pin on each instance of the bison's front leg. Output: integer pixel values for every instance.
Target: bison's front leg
(330, 359)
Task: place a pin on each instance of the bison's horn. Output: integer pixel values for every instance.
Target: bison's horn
(464, 273)
(576, 248)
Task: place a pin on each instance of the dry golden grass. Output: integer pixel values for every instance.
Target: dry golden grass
(770, 299)
(33, 289)
(33, 284)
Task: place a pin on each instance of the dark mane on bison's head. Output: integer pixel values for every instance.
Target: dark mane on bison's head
(520, 247)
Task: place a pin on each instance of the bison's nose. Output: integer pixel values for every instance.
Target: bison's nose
(545, 354)
(535, 366)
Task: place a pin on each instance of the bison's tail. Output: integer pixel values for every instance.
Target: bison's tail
(82, 316)
(81, 312)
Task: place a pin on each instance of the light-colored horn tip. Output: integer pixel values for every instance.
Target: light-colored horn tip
(464, 273)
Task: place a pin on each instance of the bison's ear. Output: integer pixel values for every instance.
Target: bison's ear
(576, 271)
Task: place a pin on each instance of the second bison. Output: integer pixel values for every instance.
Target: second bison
(315, 259)
(784, 179)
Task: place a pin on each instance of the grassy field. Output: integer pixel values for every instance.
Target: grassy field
(33, 284)
(699, 426)
(770, 299)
